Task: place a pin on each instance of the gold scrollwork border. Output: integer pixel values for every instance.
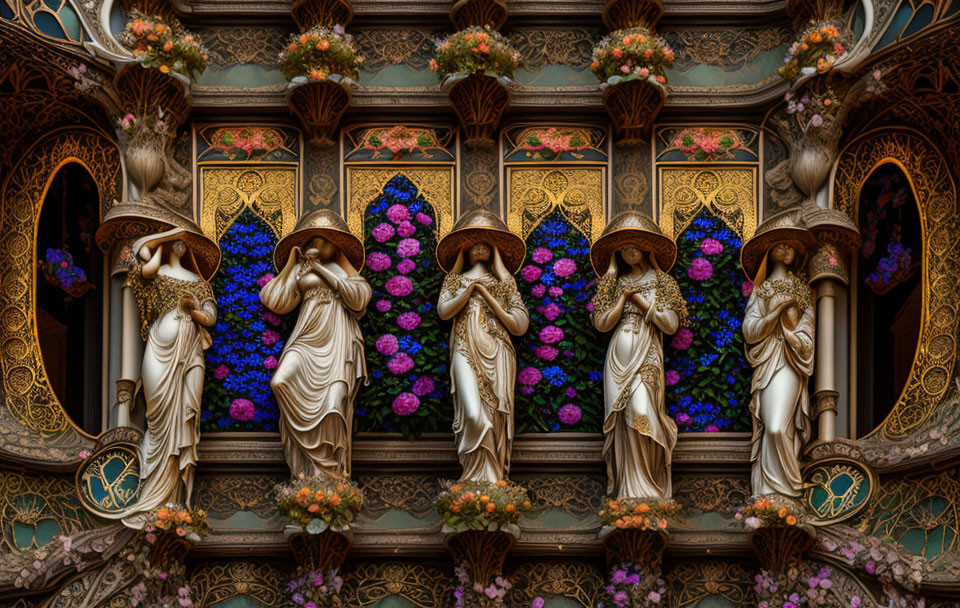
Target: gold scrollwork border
(535, 191)
(936, 196)
(435, 184)
(728, 191)
(217, 583)
(270, 191)
(29, 398)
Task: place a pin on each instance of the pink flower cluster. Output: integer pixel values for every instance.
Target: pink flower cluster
(401, 363)
(682, 340)
(399, 286)
(407, 248)
(711, 246)
(551, 334)
(387, 344)
(408, 321)
(569, 414)
(529, 376)
(405, 404)
(406, 266)
(377, 261)
(262, 281)
(700, 269)
(242, 410)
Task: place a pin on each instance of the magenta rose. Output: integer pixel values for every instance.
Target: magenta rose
(538, 290)
(564, 267)
(671, 378)
(527, 390)
(406, 229)
(401, 363)
(711, 428)
(530, 273)
(551, 334)
(262, 281)
(384, 305)
(399, 286)
(406, 266)
(555, 292)
(424, 219)
(271, 318)
(407, 248)
(569, 414)
(270, 337)
(711, 246)
(571, 392)
(551, 311)
(377, 261)
(746, 288)
(270, 362)
(408, 321)
(398, 213)
(387, 344)
(547, 353)
(542, 255)
(383, 232)
(684, 419)
(423, 386)
(221, 372)
(682, 340)
(242, 410)
(590, 306)
(700, 269)
(405, 404)
(529, 376)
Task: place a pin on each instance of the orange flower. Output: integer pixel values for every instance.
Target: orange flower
(152, 37)
(526, 504)
(322, 46)
(491, 507)
(459, 486)
(791, 520)
(484, 498)
(318, 495)
(643, 39)
(168, 45)
(662, 523)
(181, 531)
(661, 80)
(595, 65)
(303, 39)
(500, 483)
(619, 523)
(814, 37)
(642, 508)
(138, 27)
(828, 102)
(292, 48)
(804, 46)
(163, 514)
(648, 52)
(314, 508)
(159, 524)
(335, 499)
(782, 512)
(618, 53)
(455, 508)
(510, 508)
(483, 48)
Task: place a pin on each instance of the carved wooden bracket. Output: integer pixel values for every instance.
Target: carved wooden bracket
(804, 11)
(143, 91)
(311, 13)
(620, 14)
(780, 548)
(167, 549)
(479, 102)
(324, 551)
(466, 13)
(633, 106)
(482, 553)
(634, 546)
(160, 8)
(319, 105)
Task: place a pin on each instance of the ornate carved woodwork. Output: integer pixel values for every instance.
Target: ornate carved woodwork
(633, 106)
(466, 13)
(319, 106)
(479, 102)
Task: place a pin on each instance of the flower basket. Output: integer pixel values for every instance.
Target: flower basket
(478, 12)
(315, 504)
(166, 47)
(818, 48)
(171, 531)
(479, 102)
(311, 13)
(60, 271)
(483, 507)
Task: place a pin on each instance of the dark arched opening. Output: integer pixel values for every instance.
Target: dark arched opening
(69, 309)
(889, 295)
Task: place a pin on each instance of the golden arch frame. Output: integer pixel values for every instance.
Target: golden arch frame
(46, 432)
(936, 196)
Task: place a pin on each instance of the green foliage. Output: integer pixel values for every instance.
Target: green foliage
(476, 50)
(320, 53)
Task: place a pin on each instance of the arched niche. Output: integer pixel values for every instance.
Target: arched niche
(34, 424)
(933, 187)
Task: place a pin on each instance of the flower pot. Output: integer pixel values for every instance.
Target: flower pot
(319, 104)
(481, 552)
(144, 160)
(479, 102)
(467, 13)
(633, 105)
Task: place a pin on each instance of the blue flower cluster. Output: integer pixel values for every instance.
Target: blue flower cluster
(248, 339)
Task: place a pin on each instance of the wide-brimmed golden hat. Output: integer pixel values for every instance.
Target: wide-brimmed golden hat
(134, 219)
(632, 228)
(786, 227)
(205, 253)
(326, 224)
(480, 225)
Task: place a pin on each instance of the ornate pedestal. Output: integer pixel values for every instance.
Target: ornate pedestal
(319, 105)
(633, 106)
(479, 102)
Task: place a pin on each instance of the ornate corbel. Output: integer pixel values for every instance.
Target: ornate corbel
(633, 107)
(466, 13)
(620, 14)
(310, 13)
(319, 104)
(479, 102)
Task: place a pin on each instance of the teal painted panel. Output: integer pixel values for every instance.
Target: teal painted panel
(394, 601)
(239, 601)
(241, 76)
(399, 76)
(556, 76)
(71, 23)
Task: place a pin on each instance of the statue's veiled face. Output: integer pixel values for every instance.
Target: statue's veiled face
(480, 252)
(783, 253)
(321, 248)
(631, 254)
(179, 248)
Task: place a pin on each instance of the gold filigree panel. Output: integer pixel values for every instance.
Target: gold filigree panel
(422, 586)
(219, 582)
(365, 184)
(224, 495)
(579, 193)
(936, 196)
(269, 191)
(730, 193)
(415, 494)
(46, 433)
(692, 582)
(580, 581)
(35, 510)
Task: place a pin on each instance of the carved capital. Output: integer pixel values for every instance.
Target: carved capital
(825, 401)
(311, 13)
(621, 14)
(466, 13)
(324, 551)
(635, 546)
(780, 548)
(479, 102)
(633, 106)
(319, 105)
(481, 552)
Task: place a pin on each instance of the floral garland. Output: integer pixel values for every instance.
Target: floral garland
(475, 50)
(318, 503)
(560, 359)
(631, 54)
(819, 46)
(769, 512)
(320, 53)
(61, 271)
(483, 506)
(240, 143)
(634, 586)
(706, 372)
(703, 144)
(407, 351)
(248, 338)
(177, 520)
(638, 513)
(400, 140)
(166, 47)
(549, 144)
(895, 268)
(806, 588)
(315, 588)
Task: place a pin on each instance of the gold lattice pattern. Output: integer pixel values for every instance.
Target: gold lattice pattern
(223, 495)
(220, 582)
(936, 198)
(692, 582)
(580, 581)
(422, 586)
(270, 192)
(578, 193)
(435, 185)
(35, 510)
(728, 193)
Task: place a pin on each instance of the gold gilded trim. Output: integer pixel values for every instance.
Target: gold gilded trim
(579, 192)
(270, 191)
(435, 184)
(730, 192)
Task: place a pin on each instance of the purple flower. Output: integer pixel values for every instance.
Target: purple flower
(620, 598)
(270, 337)
(398, 213)
(262, 281)
(746, 288)
(399, 286)
(569, 414)
(684, 419)
(423, 386)
(530, 273)
(537, 603)
(682, 340)
(387, 344)
(551, 311)
(401, 363)
(377, 261)
(547, 353)
(555, 292)
(571, 392)
(383, 232)
(711, 428)
(671, 378)
(221, 372)
(424, 219)
(564, 267)
(538, 290)
(700, 269)
(551, 334)
(408, 321)
(711, 246)
(542, 255)
(529, 376)
(406, 266)
(271, 318)
(242, 410)
(527, 390)
(270, 362)
(298, 599)
(618, 576)
(405, 404)
(384, 305)
(406, 229)
(407, 248)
